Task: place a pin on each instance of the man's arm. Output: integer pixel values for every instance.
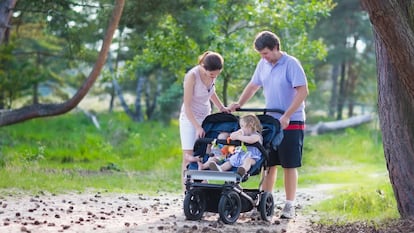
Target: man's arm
(301, 94)
(247, 93)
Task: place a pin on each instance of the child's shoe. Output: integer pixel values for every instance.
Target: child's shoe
(213, 166)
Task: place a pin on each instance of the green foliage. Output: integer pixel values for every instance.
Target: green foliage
(170, 101)
(236, 24)
(230, 27)
(47, 40)
(162, 63)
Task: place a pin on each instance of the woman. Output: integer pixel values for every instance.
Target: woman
(199, 89)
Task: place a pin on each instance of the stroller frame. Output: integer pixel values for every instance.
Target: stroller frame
(229, 199)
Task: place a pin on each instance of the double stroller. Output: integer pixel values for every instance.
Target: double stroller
(227, 197)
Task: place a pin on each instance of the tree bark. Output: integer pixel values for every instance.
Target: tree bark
(43, 110)
(395, 50)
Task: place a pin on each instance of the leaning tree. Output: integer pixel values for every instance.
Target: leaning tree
(393, 24)
(43, 110)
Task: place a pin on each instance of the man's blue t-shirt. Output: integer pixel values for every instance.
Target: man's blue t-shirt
(279, 82)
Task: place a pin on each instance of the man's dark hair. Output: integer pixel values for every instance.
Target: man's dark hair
(266, 39)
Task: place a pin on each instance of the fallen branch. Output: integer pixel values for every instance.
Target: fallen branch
(324, 127)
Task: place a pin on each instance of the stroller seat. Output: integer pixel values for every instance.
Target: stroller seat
(216, 123)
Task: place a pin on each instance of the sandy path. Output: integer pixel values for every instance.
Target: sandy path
(114, 212)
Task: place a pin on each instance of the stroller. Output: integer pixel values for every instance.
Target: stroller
(229, 199)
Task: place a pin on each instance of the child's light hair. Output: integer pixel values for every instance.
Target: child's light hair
(253, 122)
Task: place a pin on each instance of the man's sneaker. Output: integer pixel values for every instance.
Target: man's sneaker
(213, 166)
(288, 212)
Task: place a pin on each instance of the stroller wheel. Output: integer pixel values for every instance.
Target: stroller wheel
(229, 207)
(266, 206)
(194, 204)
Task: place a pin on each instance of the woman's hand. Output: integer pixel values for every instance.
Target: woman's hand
(225, 109)
(200, 132)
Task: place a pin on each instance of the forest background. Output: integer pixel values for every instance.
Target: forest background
(52, 47)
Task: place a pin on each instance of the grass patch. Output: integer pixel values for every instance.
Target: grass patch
(68, 153)
(373, 202)
(352, 161)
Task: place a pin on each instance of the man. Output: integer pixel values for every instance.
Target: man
(285, 87)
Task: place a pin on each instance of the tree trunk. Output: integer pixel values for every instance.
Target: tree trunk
(395, 49)
(124, 104)
(334, 90)
(342, 92)
(397, 126)
(43, 110)
(138, 92)
(6, 11)
(225, 89)
(352, 79)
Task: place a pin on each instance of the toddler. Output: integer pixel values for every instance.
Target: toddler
(245, 157)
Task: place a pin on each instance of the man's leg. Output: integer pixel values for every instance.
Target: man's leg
(270, 179)
(291, 183)
(290, 180)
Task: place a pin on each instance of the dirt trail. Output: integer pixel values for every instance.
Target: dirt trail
(109, 212)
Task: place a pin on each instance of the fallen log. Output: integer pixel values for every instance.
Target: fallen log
(324, 127)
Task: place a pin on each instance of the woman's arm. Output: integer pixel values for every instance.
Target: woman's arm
(217, 102)
(189, 82)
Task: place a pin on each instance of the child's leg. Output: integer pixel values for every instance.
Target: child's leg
(248, 163)
(226, 166)
(206, 165)
(245, 167)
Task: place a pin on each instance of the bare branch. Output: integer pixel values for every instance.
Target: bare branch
(44, 110)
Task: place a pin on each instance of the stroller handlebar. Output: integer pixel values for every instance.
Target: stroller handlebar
(264, 110)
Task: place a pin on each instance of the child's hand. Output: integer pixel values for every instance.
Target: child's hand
(236, 135)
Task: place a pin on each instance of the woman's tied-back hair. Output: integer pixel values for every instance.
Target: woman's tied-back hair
(211, 61)
(266, 39)
(252, 121)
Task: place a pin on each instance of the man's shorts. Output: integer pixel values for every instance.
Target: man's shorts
(289, 152)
